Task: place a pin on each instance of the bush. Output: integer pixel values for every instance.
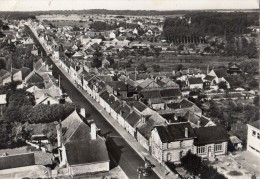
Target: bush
(46, 113)
(193, 164)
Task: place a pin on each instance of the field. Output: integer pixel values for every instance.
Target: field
(188, 61)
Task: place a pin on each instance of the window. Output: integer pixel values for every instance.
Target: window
(258, 135)
(201, 150)
(253, 133)
(218, 147)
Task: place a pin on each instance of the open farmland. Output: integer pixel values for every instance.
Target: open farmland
(171, 61)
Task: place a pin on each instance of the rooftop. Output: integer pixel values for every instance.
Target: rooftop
(209, 135)
(175, 132)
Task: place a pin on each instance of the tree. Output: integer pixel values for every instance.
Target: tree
(156, 68)
(192, 163)
(179, 67)
(208, 172)
(253, 84)
(222, 85)
(96, 63)
(256, 100)
(2, 64)
(141, 67)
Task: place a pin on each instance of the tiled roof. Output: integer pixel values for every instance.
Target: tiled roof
(209, 78)
(195, 80)
(138, 105)
(25, 72)
(220, 72)
(175, 132)
(170, 92)
(214, 134)
(151, 94)
(118, 85)
(54, 92)
(78, 142)
(105, 78)
(183, 104)
(145, 83)
(3, 72)
(146, 128)
(133, 119)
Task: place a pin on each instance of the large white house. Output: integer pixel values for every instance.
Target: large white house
(253, 138)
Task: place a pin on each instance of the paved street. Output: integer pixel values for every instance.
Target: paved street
(122, 153)
(129, 160)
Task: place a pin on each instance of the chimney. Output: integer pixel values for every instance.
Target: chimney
(186, 132)
(198, 124)
(93, 131)
(83, 112)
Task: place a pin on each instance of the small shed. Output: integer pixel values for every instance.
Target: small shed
(236, 142)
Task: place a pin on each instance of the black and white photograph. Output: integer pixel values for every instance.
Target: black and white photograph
(129, 89)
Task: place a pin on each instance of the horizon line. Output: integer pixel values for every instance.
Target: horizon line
(166, 10)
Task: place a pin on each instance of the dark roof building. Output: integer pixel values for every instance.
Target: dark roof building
(175, 132)
(195, 81)
(209, 135)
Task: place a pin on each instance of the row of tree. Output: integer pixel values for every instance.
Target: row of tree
(200, 24)
(100, 25)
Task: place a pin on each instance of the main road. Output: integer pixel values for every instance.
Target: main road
(120, 151)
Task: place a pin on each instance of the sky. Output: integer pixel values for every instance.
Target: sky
(34, 5)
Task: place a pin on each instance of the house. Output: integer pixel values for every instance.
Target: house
(80, 148)
(234, 69)
(47, 99)
(253, 137)
(170, 142)
(167, 82)
(3, 101)
(141, 108)
(195, 83)
(44, 94)
(131, 122)
(3, 75)
(34, 79)
(14, 75)
(236, 142)
(147, 84)
(198, 121)
(143, 130)
(220, 75)
(182, 107)
(153, 99)
(210, 142)
(117, 88)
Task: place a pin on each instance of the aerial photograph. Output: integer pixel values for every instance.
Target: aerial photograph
(129, 89)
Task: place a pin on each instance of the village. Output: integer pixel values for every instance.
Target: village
(164, 97)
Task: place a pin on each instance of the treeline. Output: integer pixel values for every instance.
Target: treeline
(17, 15)
(21, 111)
(210, 23)
(100, 25)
